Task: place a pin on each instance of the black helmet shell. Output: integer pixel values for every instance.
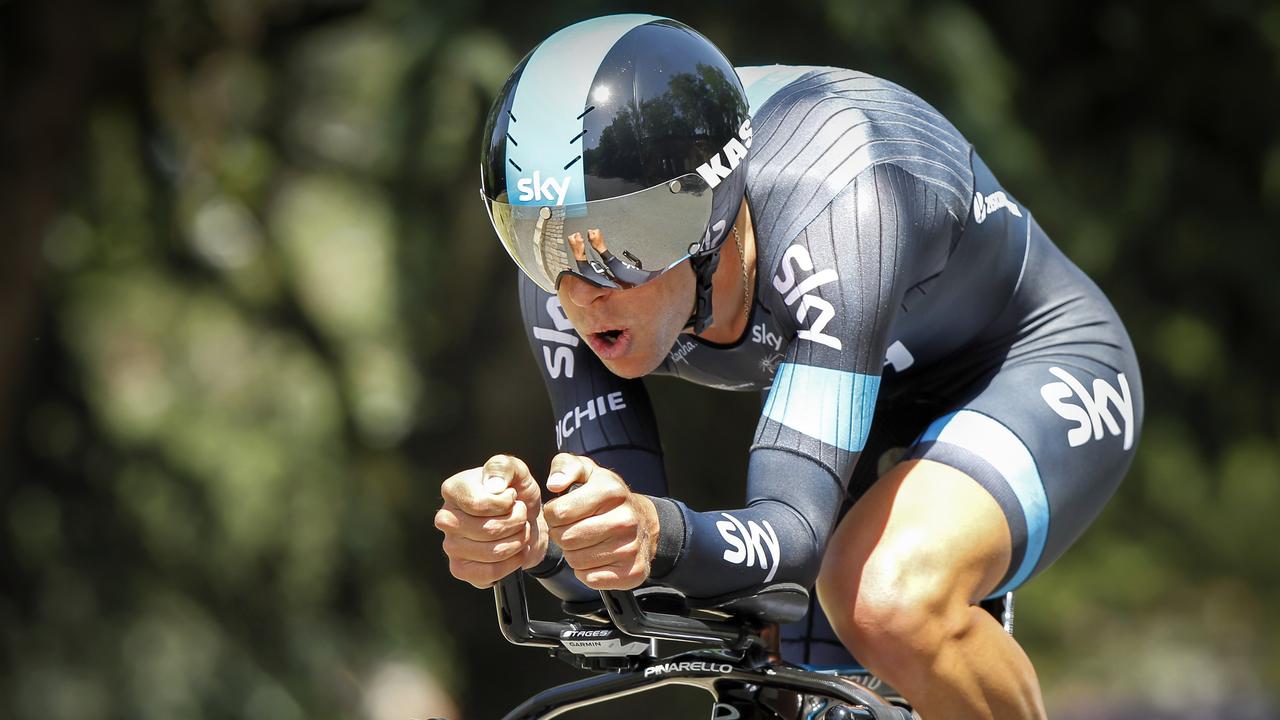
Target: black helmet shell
(659, 102)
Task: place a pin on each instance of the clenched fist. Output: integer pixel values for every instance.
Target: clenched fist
(492, 521)
(608, 534)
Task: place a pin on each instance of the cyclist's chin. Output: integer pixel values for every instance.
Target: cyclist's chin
(632, 365)
(636, 363)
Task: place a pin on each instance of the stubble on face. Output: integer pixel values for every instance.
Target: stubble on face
(631, 331)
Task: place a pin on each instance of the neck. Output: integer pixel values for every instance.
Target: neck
(729, 313)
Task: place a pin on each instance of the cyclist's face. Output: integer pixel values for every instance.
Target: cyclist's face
(630, 330)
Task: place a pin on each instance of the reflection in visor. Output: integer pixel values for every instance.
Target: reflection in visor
(619, 242)
(549, 243)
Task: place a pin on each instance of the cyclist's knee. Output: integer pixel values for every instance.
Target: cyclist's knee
(893, 606)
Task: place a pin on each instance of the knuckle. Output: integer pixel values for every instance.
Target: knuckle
(551, 513)
(566, 462)
(504, 550)
(569, 537)
(624, 522)
(557, 535)
(493, 529)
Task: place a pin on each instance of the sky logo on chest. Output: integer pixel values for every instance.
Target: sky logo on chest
(760, 334)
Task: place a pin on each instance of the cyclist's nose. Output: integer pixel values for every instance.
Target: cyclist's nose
(581, 292)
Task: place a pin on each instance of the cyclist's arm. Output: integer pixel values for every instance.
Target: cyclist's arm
(818, 412)
(597, 414)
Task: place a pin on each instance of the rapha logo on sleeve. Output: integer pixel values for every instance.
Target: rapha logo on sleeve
(986, 205)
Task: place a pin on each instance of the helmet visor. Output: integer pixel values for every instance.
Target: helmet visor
(619, 242)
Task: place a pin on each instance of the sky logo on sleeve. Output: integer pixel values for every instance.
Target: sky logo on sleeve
(794, 261)
(750, 544)
(557, 350)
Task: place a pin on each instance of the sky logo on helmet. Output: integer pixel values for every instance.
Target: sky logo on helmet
(535, 189)
(734, 152)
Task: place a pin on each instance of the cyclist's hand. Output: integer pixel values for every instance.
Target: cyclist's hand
(492, 521)
(608, 534)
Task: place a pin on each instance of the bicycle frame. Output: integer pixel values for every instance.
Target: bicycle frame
(715, 676)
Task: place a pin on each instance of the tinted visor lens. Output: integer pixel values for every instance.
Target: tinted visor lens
(619, 242)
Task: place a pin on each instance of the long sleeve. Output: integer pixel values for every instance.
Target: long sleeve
(840, 283)
(596, 413)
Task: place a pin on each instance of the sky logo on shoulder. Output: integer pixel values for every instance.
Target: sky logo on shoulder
(535, 189)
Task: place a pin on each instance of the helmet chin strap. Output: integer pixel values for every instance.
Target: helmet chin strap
(704, 266)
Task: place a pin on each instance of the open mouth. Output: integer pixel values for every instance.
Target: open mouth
(609, 344)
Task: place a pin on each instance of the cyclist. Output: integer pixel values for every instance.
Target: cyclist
(828, 238)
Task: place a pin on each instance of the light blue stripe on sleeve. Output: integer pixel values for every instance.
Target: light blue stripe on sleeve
(834, 406)
(551, 93)
(992, 441)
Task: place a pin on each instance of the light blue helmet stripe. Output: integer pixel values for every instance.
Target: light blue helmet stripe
(551, 92)
(763, 81)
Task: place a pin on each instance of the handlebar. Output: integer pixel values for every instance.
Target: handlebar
(625, 611)
(714, 672)
(513, 615)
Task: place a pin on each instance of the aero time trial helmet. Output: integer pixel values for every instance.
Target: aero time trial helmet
(633, 126)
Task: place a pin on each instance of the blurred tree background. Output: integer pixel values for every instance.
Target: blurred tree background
(251, 315)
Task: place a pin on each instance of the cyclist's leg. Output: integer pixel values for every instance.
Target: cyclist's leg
(987, 497)
(900, 584)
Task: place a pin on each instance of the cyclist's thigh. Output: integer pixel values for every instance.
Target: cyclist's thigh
(1050, 436)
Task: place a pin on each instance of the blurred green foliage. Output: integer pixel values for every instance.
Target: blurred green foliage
(266, 317)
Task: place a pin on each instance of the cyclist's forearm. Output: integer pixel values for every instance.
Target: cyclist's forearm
(779, 537)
